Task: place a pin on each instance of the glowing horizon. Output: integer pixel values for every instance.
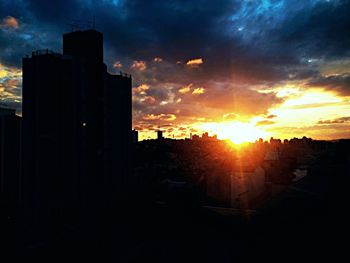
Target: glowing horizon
(312, 112)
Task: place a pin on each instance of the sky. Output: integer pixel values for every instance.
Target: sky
(239, 69)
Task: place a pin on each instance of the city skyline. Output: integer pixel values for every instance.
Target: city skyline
(253, 68)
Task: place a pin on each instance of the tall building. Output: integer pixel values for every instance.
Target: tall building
(118, 133)
(50, 136)
(160, 135)
(10, 126)
(76, 128)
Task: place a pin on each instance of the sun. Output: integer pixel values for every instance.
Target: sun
(236, 132)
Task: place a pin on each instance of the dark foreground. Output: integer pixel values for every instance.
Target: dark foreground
(306, 222)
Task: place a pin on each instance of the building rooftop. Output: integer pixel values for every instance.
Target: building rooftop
(43, 52)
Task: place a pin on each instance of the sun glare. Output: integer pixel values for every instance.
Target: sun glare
(236, 132)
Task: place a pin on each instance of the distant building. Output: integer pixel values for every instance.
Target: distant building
(195, 137)
(160, 135)
(10, 126)
(135, 136)
(205, 136)
(275, 142)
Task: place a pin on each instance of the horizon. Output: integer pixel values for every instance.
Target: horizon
(251, 69)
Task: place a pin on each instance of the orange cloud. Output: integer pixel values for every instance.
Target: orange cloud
(10, 22)
(230, 116)
(185, 89)
(139, 65)
(141, 89)
(264, 122)
(271, 116)
(149, 100)
(163, 117)
(194, 62)
(198, 91)
(336, 121)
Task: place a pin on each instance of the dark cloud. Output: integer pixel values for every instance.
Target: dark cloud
(56, 12)
(336, 121)
(339, 83)
(323, 31)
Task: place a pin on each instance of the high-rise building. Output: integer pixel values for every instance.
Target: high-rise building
(47, 141)
(76, 127)
(118, 132)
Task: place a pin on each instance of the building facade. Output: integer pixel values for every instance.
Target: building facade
(10, 126)
(76, 128)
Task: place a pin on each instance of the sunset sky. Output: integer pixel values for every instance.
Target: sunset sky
(259, 68)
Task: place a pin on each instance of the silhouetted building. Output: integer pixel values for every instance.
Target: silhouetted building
(195, 137)
(135, 136)
(118, 133)
(51, 134)
(160, 135)
(76, 127)
(10, 126)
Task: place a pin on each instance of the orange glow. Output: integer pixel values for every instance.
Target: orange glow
(236, 132)
(10, 22)
(194, 62)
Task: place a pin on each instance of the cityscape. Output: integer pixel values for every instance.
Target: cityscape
(102, 165)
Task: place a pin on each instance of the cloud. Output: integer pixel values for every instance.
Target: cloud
(336, 121)
(271, 116)
(194, 62)
(117, 64)
(222, 98)
(230, 116)
(339, 83)
(10, 22)
(320, 31)
(198, 91)
(141, 89)
(10, 87)
(186, 89)
(157, 59)
(264, 122)
(149, 100)
(163, 117)
(139, 65)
